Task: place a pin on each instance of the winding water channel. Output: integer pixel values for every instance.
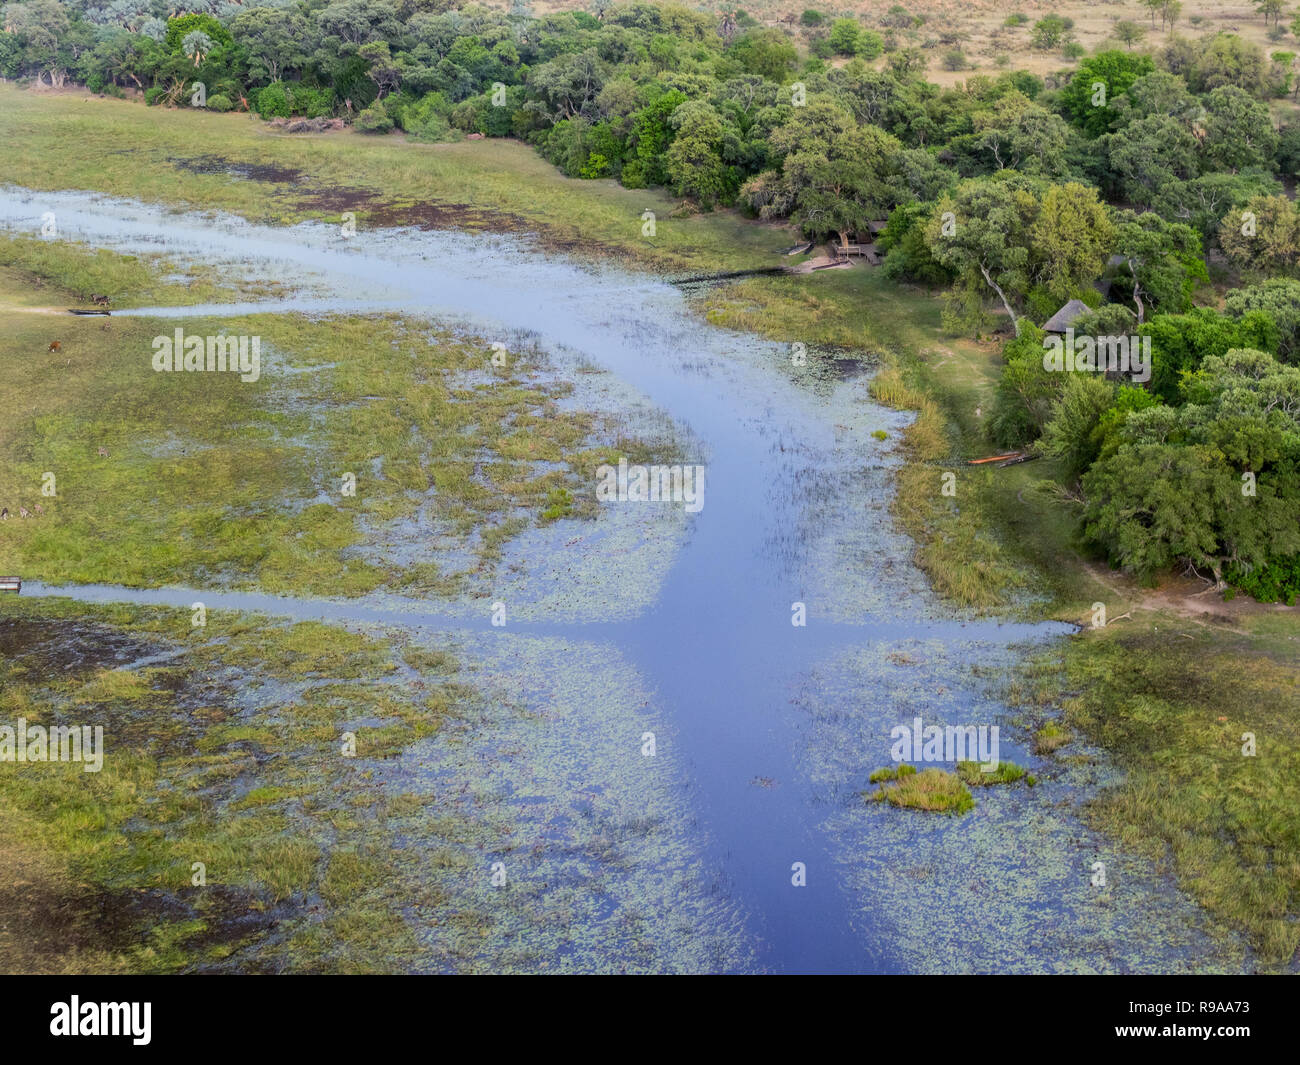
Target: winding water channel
(774, 727)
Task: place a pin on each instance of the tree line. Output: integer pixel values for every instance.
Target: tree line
(1118, 183)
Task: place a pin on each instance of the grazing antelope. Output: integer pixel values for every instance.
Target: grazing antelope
(99, 301)
(22, 512)
(55, 346)
(103, 453)
(38, 508)
(4, 513)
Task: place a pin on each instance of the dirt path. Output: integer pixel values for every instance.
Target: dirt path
(1185, 597)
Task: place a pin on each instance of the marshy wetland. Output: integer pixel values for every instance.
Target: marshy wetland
(447, 712)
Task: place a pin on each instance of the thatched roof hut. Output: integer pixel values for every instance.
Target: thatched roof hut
(1065, 317)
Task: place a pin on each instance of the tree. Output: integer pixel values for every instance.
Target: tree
(182, 26)
(1226, 59)
(1265, 236)
(277, 41)
(982, 232)
(1278, 298)
(1092, 110)
(907, 64)
(1022, 135)
(1071, 236)
(694, 161)
(1128, 33)
(1050, 32)
(1180, 343)
(1163, 258)
(380, 68)
(1070, 433)
(41, 27)
(834, 174)
(1271, 10)
(652, 133)
(1238, 129)
(196, 44)
(767, 53)
(567, 86)
(351, 23)
(1150, 159)
(1171, 489)
(1025, 392)
(844, 36)
(1157, 93)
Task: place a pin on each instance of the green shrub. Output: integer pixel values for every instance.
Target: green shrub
(219, 102)
(309, 102)
(1277, 581)
(374, 119)
(870, 45)
(272, 101)
(955, 59)
(428, 119)
(596, 166)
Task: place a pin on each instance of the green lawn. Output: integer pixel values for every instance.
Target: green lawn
(69, 142)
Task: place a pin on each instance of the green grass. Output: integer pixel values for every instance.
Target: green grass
(1006, 773)
(1051, 737)
(207, 478)
(257, 796)
(1171, 700)
(36, 273)
(932, 790)
(478, 181)
(890, 772)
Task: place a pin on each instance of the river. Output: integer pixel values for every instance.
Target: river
(774, 727)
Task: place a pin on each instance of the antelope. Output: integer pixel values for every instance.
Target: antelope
(100, 301)
(55, 346)
(38, 508)
(103, 453)
(23, 513)
(4, 513)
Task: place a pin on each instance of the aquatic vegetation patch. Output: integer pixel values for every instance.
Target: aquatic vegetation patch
(211, 825)
(1182, 708)
(892, 772)
(38, 272)
(1006, 773)
(1008, 886)
(290, 482)
(1051, 737)
(933, 790)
